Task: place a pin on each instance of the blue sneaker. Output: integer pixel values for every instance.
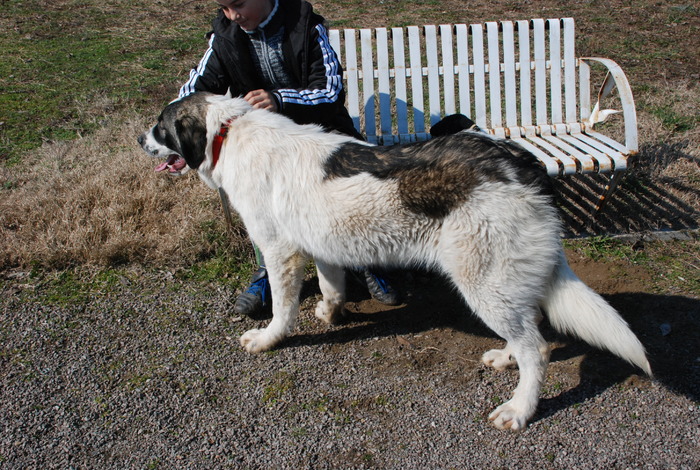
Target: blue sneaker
(380, 289)
(255, 298)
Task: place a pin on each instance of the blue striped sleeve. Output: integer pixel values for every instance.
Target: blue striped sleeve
(189, 87)
(334, 83)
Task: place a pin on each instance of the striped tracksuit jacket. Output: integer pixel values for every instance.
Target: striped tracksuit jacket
(289, 54)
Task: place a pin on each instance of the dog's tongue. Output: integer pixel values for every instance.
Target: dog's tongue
(178, 164)
(174, 162)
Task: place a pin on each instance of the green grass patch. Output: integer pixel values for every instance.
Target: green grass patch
(71, 287)
(277, 387)
(673, 120)
(606, 248)
(49, 78)
(222, 268)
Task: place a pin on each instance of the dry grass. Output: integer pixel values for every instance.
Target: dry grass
(97, 201)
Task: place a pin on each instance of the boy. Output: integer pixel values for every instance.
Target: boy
(277, 55)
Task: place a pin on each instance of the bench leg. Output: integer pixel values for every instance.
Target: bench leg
(609, 189)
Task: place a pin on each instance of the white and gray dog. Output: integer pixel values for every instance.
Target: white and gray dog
(475, 208)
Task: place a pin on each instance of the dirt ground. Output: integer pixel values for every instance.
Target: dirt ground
(145, 372)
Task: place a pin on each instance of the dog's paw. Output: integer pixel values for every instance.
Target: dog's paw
(331, 314)
(509, 416)
(256, 341)
(499, 359)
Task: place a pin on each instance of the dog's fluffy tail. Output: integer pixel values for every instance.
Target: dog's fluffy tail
(573, 307)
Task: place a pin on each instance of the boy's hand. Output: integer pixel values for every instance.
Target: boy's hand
(261, 99)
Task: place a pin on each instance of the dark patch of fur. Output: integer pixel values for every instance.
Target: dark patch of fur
(438, 175)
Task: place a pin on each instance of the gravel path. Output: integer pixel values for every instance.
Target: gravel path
(145, 372)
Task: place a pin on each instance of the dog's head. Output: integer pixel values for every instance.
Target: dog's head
(185, 129)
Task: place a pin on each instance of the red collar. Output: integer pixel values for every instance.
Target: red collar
(219, 141)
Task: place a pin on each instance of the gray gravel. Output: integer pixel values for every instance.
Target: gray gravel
(145, 372)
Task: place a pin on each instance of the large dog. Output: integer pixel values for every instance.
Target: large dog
(476, 208)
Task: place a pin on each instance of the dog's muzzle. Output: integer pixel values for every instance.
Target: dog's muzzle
(174, 163)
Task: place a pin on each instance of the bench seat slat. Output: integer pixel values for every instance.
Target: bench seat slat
(618, 155)
(568, 163)
(551, 165)
(582, 162)
(611, 154)
(604, 162)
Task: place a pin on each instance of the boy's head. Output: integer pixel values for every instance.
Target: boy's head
(248, 14)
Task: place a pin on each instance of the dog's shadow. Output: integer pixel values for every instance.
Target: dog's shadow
(428, 302)
(667, 326)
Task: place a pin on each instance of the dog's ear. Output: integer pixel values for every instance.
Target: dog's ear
(452, 124)
(192, 134)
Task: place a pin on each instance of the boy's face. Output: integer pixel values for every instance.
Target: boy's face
(248, 14)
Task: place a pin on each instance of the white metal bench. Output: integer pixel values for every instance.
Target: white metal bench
(519, 80)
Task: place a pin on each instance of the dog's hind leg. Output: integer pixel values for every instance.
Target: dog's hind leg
(502, 359)
(331, 280)
(286, 274)
(519, 329)
(511, 313)
(533, 355)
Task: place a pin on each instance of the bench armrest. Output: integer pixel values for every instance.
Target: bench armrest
(623, 87)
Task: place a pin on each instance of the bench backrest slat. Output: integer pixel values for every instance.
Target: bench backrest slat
(540, 73)
(555, 91)
(479, 76)
(494, 74)
(400, 83)
(431, 51)
(383, 80)
(569, 69)
(462, 33)
(368, 83)
(448, 65)
(416, 80)
(508, 77)
(525, 73)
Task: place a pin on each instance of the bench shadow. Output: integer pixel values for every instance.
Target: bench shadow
(645, 200)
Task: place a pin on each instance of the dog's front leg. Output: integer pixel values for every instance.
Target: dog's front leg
(331, 280)
(286, 274)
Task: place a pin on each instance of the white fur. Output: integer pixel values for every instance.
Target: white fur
(500, 248)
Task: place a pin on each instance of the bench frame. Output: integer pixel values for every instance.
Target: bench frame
(537, 92)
